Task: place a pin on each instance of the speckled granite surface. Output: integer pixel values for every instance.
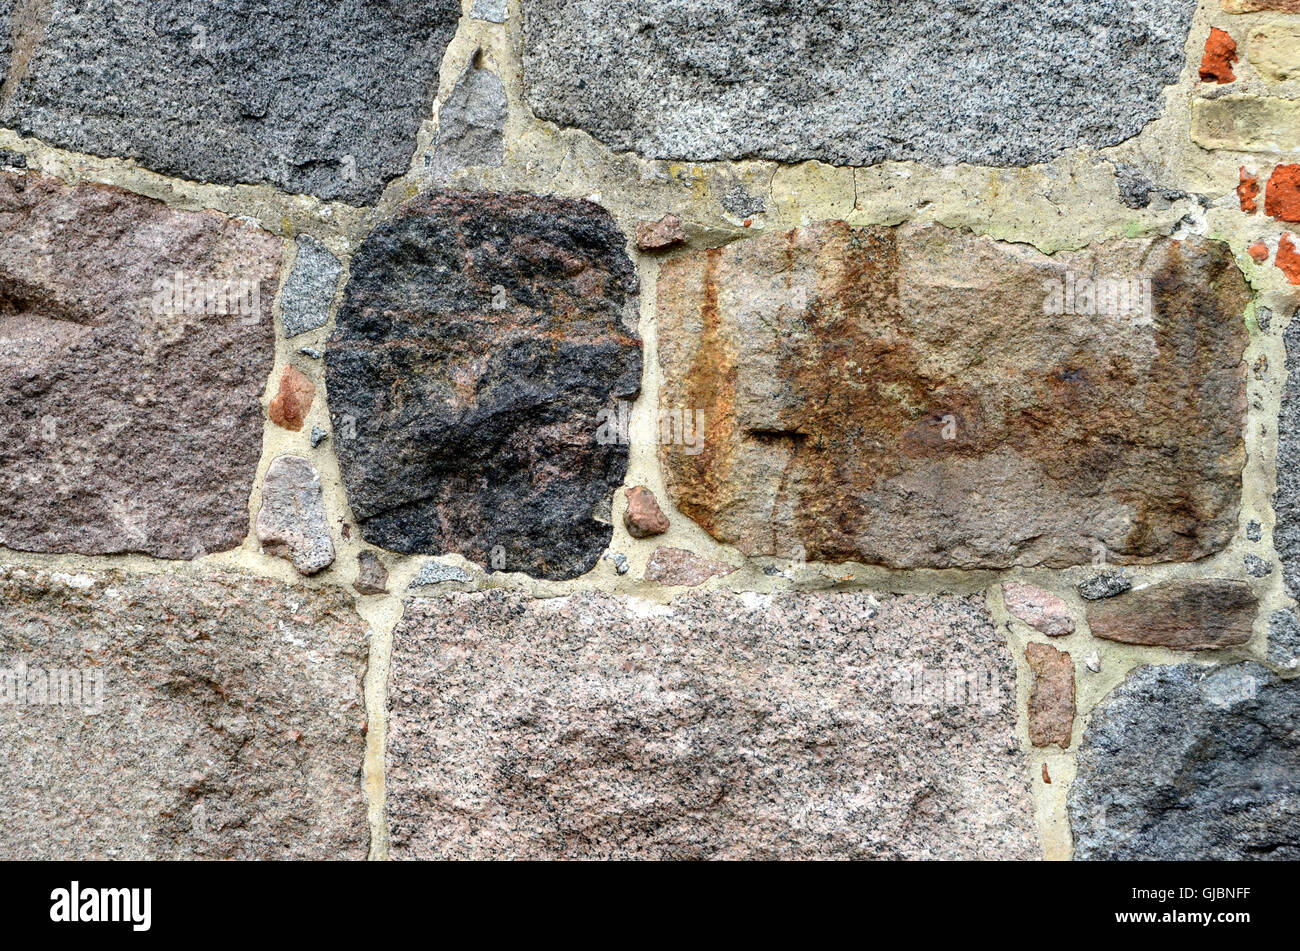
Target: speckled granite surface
(723, 726)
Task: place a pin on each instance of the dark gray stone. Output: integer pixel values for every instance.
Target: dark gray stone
(309, 291)
(1284, 639)
(1190, 762)
(12, 159)
(471, 124)
(479, 341)
(1257, 567)
(1286, 500)
(494, 11)
(1105, 585)
(993, 82)
(1254, 531)
(323, 99)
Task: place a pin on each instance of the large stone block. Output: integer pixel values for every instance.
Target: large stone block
(853, 83)
(135, 343)
(918, 397)
(215, 718)
(1190, 615)
(480, 339)
(1286, 500)
(1191, 762)
(324, 99)
(717, 727)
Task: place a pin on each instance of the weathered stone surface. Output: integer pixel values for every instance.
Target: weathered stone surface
(231, 724)
(1286, 500)
(1248, 191)
(664, 233)
(643, 517)
(853, 83)
(494, 11)
(1105, 585)
(309, 291)
(1284, 639)
(1282, 200)
(1183, 615)
(915, 397)
(1191, 762)
(1247, 123)
(435, 572)
(289, 406)
(372, 576)
(1220, 54)
(679, 567)
(591, 727)
(1288, 258)
(471, 124)
(324, 99)
(1275, 51)
(292, 523)
(130, 407)
(480, 339)
(1051, 697)
(1041, 610)
(1256, 567)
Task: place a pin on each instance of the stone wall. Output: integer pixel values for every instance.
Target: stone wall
(664, 429)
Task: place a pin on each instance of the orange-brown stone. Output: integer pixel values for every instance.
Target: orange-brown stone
(918, 397)
(1258, 252)
(1051, 697)
(289, 407)
(1220, 54)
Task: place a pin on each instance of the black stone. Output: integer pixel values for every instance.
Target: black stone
(479, 340)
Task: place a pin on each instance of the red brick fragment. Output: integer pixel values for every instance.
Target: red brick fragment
(289, 407)
(1258, 251)
(1288, 258)
(1282, 201)
(1220, 54)
(1248, 191)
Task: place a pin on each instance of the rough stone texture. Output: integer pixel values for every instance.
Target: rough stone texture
(372, 576)
(1247, 123)
(719, 727)
(289, 407)
(292, 523)
(129, 421)
(494, 11)
(1220, 54)
(309, 291)
(1105, 585)
(471, 124)
(853, 83)
(643, 518)
(435, 572)
(1191, 763)
(1041, 610)
(853, 381)
(656, 235)
(1284, 639)
(1256, 567)
(1248, 191)
(232, 724)
(1282, 200)
(1182, 615)
(324, 99)
(480, 339)
(1275, 51)
(1051, 697)
(681, 568)
(1286, 500)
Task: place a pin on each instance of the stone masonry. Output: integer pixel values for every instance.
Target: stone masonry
(670, 429)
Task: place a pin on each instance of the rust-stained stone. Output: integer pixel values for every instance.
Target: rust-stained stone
(1182, 615)
(901, 397)
(230, 721)
(664, 233)
(1051, 698)
(135, 343)
(643, 517)
(289, 407)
